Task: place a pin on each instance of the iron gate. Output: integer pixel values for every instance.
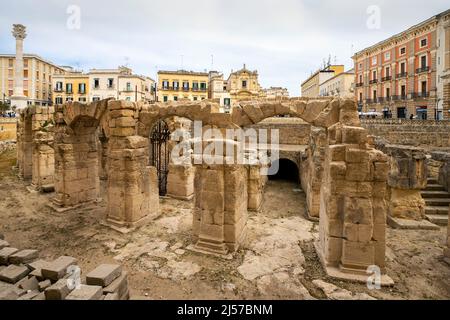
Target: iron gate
(159, 153)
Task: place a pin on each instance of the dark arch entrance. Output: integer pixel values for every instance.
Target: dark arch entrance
(287, 171)
(159, 153)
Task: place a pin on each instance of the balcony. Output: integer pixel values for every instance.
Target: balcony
(373, 81)
(420, 95)
(423, 69)
(58, 90)
(388, 78)
(359, 84)
(402, 75)
(399, 98)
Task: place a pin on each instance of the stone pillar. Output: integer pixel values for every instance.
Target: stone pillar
(132, 184)
(255, 186)
(18, 99)
(76, 163)
(25, 145)
(407, 177)
(43, 161)
(312, 171)
(180, 181)
(352, 226)
(220, 213)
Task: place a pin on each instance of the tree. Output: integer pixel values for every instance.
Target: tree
(3, 107)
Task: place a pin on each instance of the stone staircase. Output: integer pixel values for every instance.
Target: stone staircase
(437, 202)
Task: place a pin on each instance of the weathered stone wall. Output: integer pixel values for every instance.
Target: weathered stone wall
(443, 158)
(408, 175)
(292, 131)
(311, 171)
(410, 132)
(35, 154)
(8, 129)
(447, 250)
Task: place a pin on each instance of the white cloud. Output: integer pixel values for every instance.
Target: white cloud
(284, 39)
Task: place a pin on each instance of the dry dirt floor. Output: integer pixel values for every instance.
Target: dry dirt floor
(277, 261)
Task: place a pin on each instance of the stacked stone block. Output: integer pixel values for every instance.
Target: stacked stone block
(255, 186)
(180, 181)
(26, 277)
(353, 202)
(447, 250)
(132, 183)
(35, 152)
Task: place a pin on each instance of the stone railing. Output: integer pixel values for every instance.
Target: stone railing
(406, 122)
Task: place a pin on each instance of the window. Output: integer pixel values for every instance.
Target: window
(402, 51)
(69, 99)
(203, 86)
(10, 63)
(96, 83)
(37, 75)
(81, 88)
(82, 99)
(388, 93)
(388, 72)
(360, 97)
(360, 78)
(227, 102)
(185, 85)
(25, 63)
(175, 98)
(128, 98)
(59, 86)
(374, 60)
(59, 100)
(195, 86)
(423, 62)
(176, 85)
(402, 68)
(360, 66)
(165, 98)
(110, 83)
(403, 91)
(387, 56)
(424, 86)
(25, 74)
(374, 95)
(68, 88)
(244, 84)
(423, 42)
(195, 98)
(374, 75)
(95, 99)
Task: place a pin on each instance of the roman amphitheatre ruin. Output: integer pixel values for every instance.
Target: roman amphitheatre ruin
(95, 185)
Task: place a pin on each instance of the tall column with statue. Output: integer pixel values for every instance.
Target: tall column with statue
(18, 99)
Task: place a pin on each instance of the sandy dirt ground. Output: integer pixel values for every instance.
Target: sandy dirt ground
(277, 261)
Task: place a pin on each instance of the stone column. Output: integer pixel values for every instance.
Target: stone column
(18, 99)
(220, 213)
(352, 226)
(180, 181)
(132, 184)
(255, 185)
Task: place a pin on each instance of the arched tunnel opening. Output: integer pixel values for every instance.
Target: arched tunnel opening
(287, 171)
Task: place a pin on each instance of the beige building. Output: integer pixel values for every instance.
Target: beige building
(244, 85)
(37, 78)
(341, 85)
(182, 85)
(310, 88)
(407, 74)
(218, 90)
(276, 93)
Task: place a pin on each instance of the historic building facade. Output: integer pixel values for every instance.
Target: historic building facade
(310, 88)
(37, 78)
(401, 76)
(341, 85)
(181, 85)
(244, 85)
(218, 90)
(276, 93)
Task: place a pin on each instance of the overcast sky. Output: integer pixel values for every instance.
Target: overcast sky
(285, 40)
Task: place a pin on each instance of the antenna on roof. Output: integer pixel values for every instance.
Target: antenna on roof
(212, 62)
(127, 61)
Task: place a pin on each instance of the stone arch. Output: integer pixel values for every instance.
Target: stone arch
(287, 164)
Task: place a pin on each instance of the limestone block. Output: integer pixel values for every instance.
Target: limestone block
(119, 286)
(358, 210)
(3, 244)
(58, 268)
(29, 284)
(406, 204)
(23, 256)
(357, 255)
(5, 253)
(86, 292)
(13, 273)
(57, 291)
(354, 135)
(103, 275)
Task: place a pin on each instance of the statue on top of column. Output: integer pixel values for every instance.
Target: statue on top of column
(19, 31)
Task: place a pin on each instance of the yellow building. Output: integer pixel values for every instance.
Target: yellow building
(243, 85)
(311, 87)
(8, 129)
(178, 85)
(37, 82)
(73, 86)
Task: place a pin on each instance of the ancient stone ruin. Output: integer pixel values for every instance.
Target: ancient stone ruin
(344, 176)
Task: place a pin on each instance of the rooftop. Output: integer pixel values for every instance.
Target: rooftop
(30, 55)
(184, 72)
